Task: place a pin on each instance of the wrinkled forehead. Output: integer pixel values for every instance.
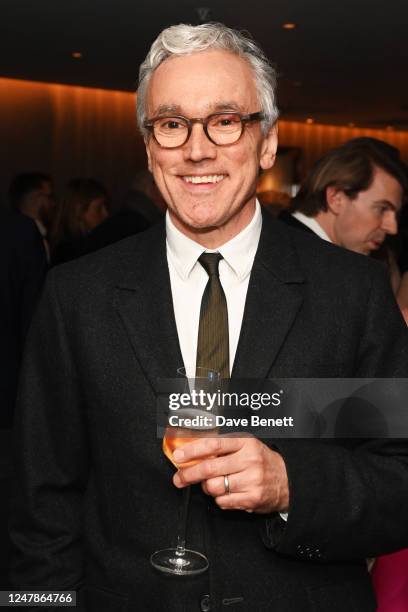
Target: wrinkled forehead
(202, 82)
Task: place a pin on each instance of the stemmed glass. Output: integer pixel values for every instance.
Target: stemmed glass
(181, 561)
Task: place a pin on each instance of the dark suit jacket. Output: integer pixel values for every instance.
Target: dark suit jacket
(23, 265)
(289, 219)
(95, 496)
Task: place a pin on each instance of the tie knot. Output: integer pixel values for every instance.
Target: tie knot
(210, 262)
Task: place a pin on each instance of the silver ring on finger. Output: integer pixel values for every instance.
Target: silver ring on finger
(227, 485)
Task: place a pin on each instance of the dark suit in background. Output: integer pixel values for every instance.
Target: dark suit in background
(289, 219)
(137, 214)
(98, 499)
(23, 266)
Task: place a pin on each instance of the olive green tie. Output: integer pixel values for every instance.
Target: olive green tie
(213, 343)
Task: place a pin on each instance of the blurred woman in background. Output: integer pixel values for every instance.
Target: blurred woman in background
(83, 206)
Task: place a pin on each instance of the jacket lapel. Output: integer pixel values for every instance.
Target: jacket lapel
(273, 301)
(144, 303)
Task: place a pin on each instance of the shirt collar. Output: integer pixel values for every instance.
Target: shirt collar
(238, 253)
(41, 228)
(183, 251)
(311, 223)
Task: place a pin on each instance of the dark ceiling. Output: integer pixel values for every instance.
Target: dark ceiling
(344, 62)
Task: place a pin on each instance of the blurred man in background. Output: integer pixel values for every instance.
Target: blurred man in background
(31, 193)
(352, 196)
(142, 207)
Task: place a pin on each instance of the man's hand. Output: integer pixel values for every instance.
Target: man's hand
(257, 475)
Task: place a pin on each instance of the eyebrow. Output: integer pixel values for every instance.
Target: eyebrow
(165, 109)
(168, 108)
(387, 203)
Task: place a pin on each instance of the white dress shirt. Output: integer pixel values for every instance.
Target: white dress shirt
(312, 224)
(188, 280)
(43, 231)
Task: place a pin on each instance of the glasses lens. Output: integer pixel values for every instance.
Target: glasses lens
(224, 128)
(170, 131)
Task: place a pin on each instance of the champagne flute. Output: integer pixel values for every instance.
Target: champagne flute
(181, 561)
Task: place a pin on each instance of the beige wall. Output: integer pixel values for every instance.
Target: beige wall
(315, 139)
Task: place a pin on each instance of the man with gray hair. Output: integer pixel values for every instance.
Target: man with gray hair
(285, 524)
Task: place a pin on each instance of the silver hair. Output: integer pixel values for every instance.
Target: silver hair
(184, 39)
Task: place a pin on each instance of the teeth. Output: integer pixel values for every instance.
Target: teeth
(212, 178)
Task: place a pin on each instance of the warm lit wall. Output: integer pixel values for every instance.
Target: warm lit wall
(68, 131)
(71, 131)
(315, 140)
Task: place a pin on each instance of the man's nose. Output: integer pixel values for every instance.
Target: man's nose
(198, 146)
(390, 223)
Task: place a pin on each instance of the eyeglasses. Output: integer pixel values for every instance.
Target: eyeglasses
(222, 129)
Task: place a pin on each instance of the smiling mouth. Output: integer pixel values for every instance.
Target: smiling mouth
(204, 180)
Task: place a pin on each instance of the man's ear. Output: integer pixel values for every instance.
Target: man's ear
(335, 199)
(269, 147)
